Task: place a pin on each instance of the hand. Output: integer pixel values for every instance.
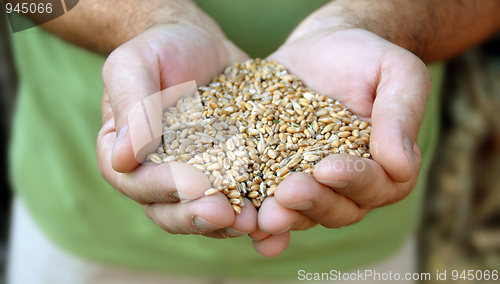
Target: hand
(379, 82)
(161, 57)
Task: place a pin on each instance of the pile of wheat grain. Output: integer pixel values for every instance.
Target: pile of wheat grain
(253, 126)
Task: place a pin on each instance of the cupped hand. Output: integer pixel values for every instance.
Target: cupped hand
(378, 81)
(162, 57)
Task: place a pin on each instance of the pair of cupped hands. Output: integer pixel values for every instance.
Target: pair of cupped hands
(376, 79)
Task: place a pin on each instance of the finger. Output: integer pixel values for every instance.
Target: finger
(245, 222)
(200, 216)
(258, 235)
(130, 74)
(363, 181)
(150, 183)
(397, 113)
(320, 203)
(273, 218)
(273, 245)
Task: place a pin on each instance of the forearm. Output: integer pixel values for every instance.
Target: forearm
(103, 25)
(431, 29)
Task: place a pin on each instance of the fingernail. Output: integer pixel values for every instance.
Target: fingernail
(334, 183)
(306, 205)
(408, 149)
(173, 197)
(120, 136)
(338, 184)
(233, 232)
(204, 224)
(285, 230)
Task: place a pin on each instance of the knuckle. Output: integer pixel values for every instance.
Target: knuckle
(152, 213)
(326, 219)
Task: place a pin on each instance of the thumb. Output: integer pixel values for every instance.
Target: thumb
(138, 106)
(397, 113)
(130, 75)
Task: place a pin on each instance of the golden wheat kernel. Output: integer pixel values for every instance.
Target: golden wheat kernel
(256, 203)
(211, 191)
(253, 132)
(346, 120)
(237, 209)
(353, 152)
(355, 133)
(155, 158)
(253, 194)
(294, 161)
(344, 134)
(270, 163)
(345, 128)
(292, 129)
(271, 182)
(309, 171)
(342, 113)
(325, 120)
(343, 148)
(233, 194)
(242, 178)
(235, 201)
(327, 128)
(271, 190)
(283, 171)
(348, 142)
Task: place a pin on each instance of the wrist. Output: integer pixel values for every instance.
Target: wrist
(173, 12)
(102, 26)
(380, 18)
(327, 19)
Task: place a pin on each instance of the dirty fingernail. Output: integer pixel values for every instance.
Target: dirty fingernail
(306, 205)
(204, 224)
(120, 136)
(408, 149)
(335, 183)
(233, 232)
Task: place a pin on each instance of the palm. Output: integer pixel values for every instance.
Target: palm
(378, 81)
(344, 65)
(185, 54)
(162, 57)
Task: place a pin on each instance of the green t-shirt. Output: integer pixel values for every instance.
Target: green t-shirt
(54, 167)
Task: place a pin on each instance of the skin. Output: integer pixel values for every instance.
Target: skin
(361, 52)
(163, 56)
